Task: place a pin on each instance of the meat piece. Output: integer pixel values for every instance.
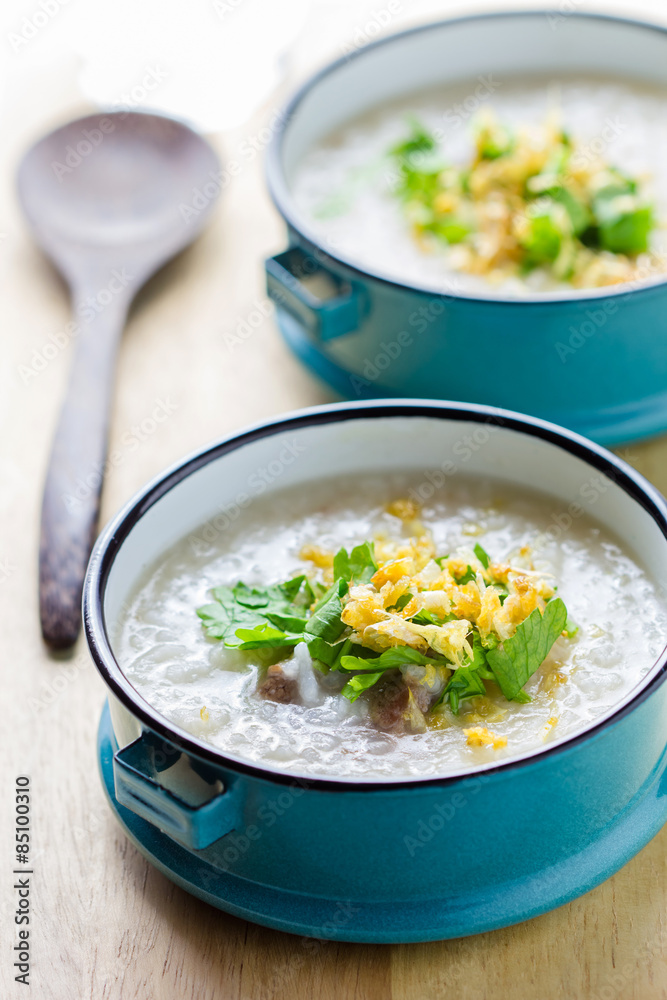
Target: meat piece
(276, 686)
(393, 707)
(388, 704)
(422, 694)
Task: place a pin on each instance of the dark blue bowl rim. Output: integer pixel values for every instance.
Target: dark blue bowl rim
(118, 529)
(280, 194)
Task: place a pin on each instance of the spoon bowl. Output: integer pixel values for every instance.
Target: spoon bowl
(110, 198)
(117, 180)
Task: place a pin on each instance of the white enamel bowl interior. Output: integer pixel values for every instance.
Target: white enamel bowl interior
(364, 446)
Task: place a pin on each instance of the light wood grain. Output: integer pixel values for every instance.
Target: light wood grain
(106, 925)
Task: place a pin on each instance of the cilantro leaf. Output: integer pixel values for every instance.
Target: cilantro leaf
(420, 165)
(623, 221)
(502, 591)
(330, 654)
(326, 621)
(289, 623)
(493, 140)
(482, 555)
(249, 597)
(264, 637)
(627, 232)
(401, 602)
(222, 618)
(247, 607)
(419, 141)
(359, 566)
(214, 620)
(580, 217)
(298, 587)
(518, 658)
(468, 680)
(425, 617)
(449, 229)
(375, 666)
(571, 628)
(543, 238)
(397, 656)
(479, 661)
(464, 683)
(358, 684)
(467, 577)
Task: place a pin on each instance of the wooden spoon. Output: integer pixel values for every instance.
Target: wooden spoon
(110, 198)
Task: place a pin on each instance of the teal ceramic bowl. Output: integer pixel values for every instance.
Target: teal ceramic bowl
(594, 361)
(436, 858)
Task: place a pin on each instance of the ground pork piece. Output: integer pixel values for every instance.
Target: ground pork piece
(394, 708)
(423, 696)
(277, 687)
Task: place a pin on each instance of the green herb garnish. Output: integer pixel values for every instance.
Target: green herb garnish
(516, 660)
(563, 212)
(397, 656)
(571, 628)
(358, 684)
(287, 614)
(403, 600)
(325, 621)
(483, 556)
(358, 567)
(265, 637)
(467, 577)
(468, 680)
(249, 607)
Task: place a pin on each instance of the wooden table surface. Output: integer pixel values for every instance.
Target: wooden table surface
(105, 924)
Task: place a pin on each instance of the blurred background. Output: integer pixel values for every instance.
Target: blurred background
(224, 66)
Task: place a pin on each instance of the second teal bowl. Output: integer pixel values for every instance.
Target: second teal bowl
(594, 361)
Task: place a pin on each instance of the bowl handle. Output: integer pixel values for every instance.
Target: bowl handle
(137, 788)
(290, 282)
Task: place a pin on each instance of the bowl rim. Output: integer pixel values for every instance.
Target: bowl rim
(283, 201)
(119, 527)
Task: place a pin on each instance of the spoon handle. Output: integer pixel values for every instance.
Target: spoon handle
(71, 503)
